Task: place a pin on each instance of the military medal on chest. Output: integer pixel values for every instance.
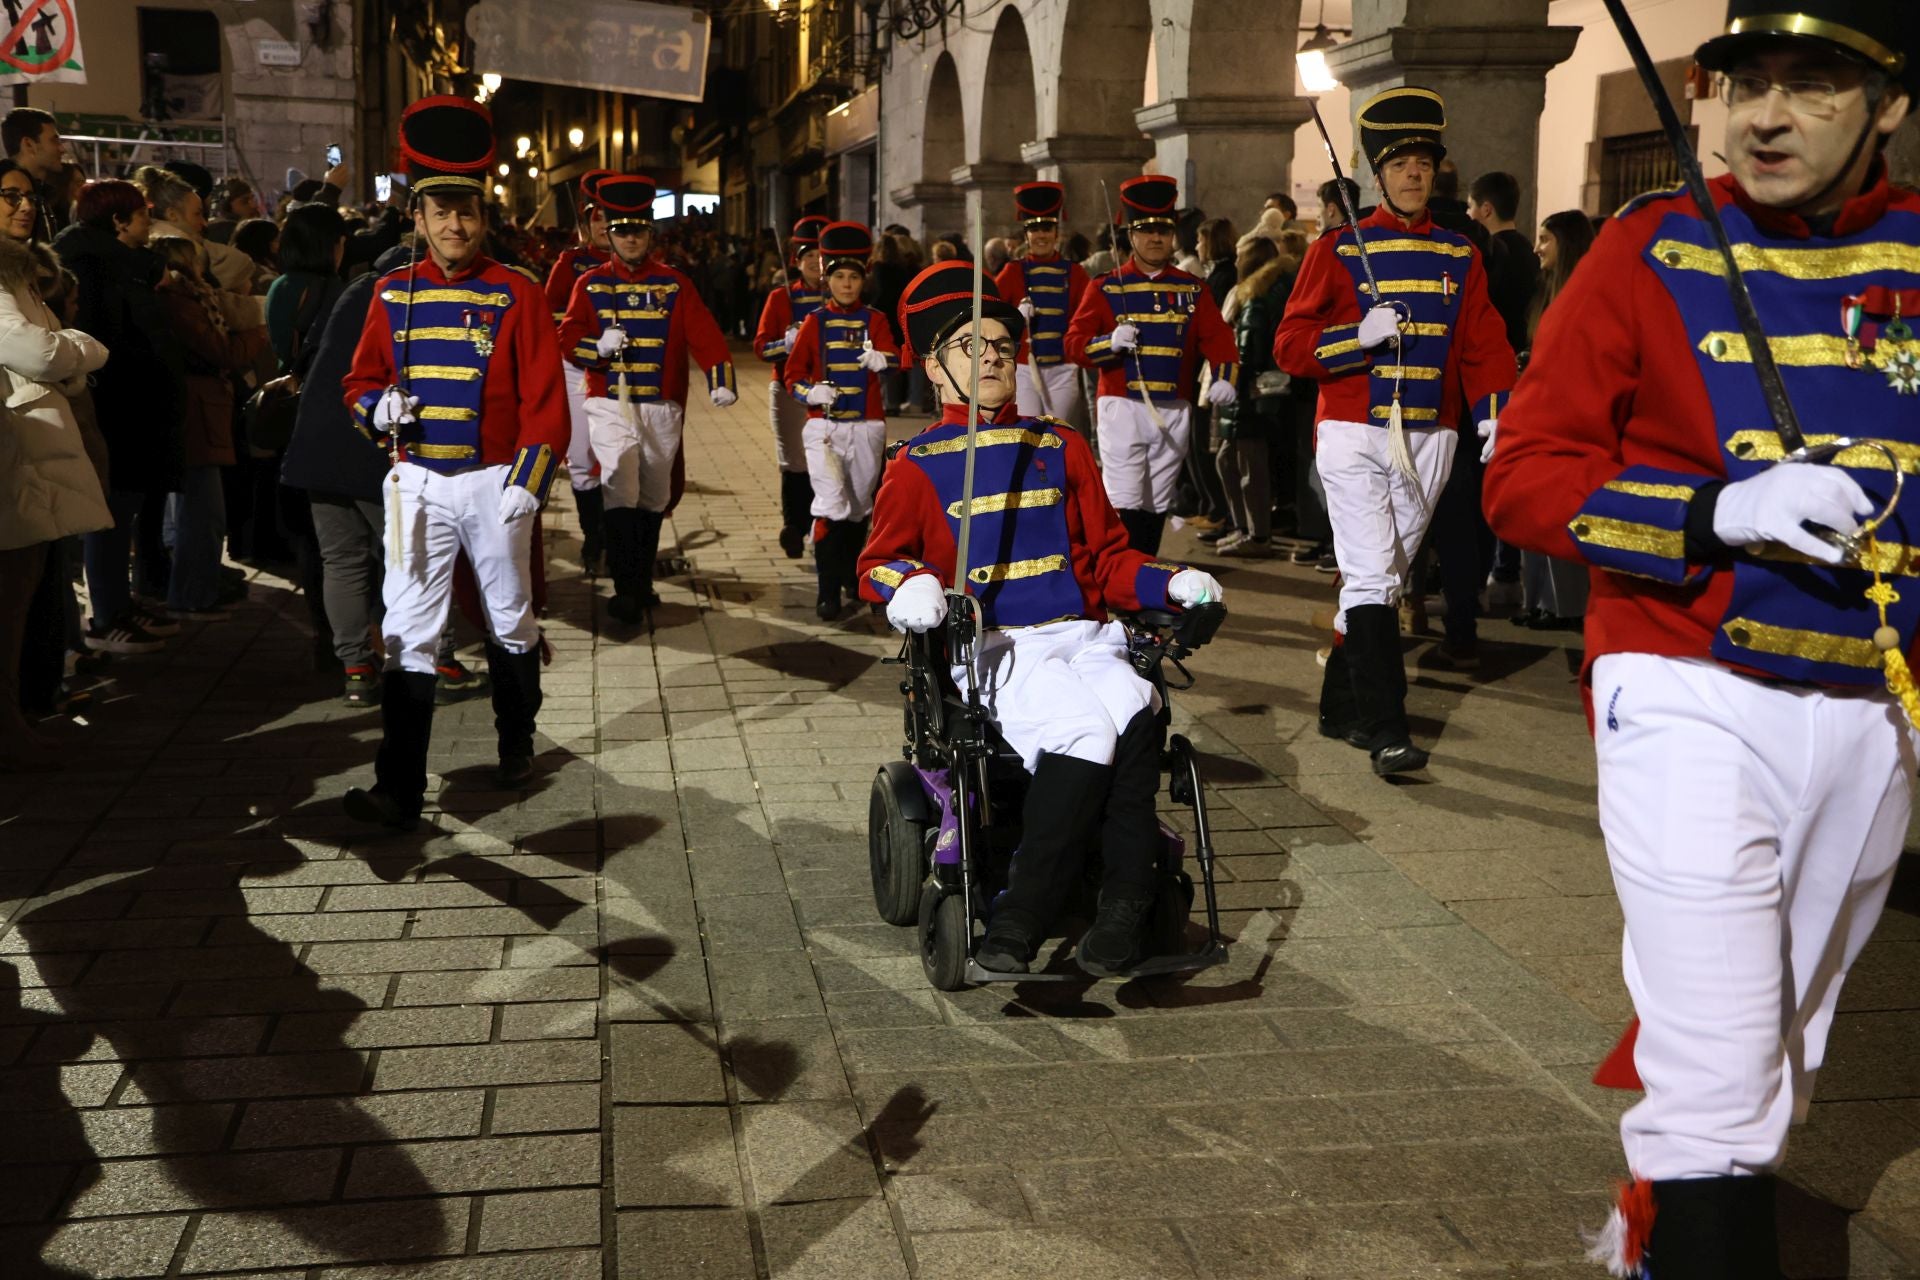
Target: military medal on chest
(1894, 352)
(481, 333)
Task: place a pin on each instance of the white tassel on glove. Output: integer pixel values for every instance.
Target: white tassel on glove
(918, 605)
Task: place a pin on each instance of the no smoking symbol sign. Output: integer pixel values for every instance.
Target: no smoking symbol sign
(40, 37)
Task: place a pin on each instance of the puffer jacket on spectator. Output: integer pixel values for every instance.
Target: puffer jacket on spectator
(213, 354)
(49, 487)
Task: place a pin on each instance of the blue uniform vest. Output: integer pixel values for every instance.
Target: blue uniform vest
(843, 336)
(443, 358)
(1161, 310)
(1788, 617)
(1428, 274)
(644, 309)
(1046, 284)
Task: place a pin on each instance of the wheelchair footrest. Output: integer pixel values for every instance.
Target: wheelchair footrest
(977, 974)
(1158, 966)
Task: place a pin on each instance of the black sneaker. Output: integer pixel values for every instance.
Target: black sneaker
(362, 687)
(793, 542)
(1326, 564)
(1007, 948)
(455, 681)
(515, 772)
(1212, 536)
(1310, 555)
(627, 609)
(155, 623)
(1112, 944)
(1401, 757)
(381, 809)
(123, 636)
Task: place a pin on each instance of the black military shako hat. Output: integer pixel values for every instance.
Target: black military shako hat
(1885, 33)
(446, 144)
(1400, 120)
(845, 244)
(806, 233)
(626, 199)
(940, 300)
(590, 186)
(1148, 200)
(1039, 203)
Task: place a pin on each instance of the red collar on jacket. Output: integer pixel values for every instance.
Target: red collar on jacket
(1857, 214)
(828, 304)
(649, 265)
(1420, 224)
(956, 414)
(430, 269)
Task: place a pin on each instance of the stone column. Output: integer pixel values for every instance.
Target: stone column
(1493, 75)
(1081, 162)
(939, 206)
(1229, 153)
(987, 185)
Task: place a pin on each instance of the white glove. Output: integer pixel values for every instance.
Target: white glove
(723, 396)
(1190, 587)
(394, 409)
(610, 342)
(1123, 338)
(1770, 507)
(1220, 391)
(1026, 309)
(873, 361)
(1380, 326)
(517, 503)
(1489, 431)
(822, 394)
(919, 604)
(793, 331)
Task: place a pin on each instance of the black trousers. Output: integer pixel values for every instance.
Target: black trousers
(1463, 541)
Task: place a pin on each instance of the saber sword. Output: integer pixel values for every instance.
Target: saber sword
(961, 581)
(403, 382)
(1346, 202)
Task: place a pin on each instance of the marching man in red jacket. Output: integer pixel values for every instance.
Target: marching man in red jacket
(838, 359)
(780, 320)
(574, 262)
(631, 325)
(1047, 289)
(1398, 375)
(1755, 772)
(458, 375)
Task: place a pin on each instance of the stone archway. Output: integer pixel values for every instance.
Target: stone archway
(943, 150)
(1087, 128)
(1008, 122)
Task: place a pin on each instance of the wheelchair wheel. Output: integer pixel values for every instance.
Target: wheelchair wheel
(946, 938)
(896, 847)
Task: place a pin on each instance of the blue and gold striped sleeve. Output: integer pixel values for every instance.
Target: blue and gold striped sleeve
(886, 578)
(1228, 372)
(1150, 584)
(362, 415)
(1339, 348)
(533, 470)
(1636, 523)
(1489, 406)
(776, 349)
(721, 375)
(1100, 350)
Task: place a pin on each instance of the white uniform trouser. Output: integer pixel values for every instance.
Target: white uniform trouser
(1753, 829)
(1064, 688)
(636, 443)
(1378, 514)
(1140, 461)
(1063, 390)
(579, 446)
(440, 516)
(843, 461)
(788, 418)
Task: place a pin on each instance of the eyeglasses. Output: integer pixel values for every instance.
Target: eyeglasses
(1815, 98)
(14, 199)
(973, 348)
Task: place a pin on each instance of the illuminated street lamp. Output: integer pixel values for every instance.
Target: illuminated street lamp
(533, 171)
(522, 145)
(1315, 75)
(505, 168)
(490, 82)
(499, 191)
(576, 136)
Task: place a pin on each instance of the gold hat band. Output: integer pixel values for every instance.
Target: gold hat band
(1800, 24)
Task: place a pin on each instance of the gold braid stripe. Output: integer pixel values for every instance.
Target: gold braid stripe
(1629, 535)
(1170, 286)
(471, 297)
(1795, 264)
(1640, 489)
(439, 333)
(992, 502)
(986, 440)
(1764, 446)
(1792, 642)
(1332, 349)
(1174, 352)
(892, 577)
(445, 413)
(1136, 384)
(451, 372)
(1408, 286)
(1888, 558)
(442, 452)
(1408, 413)
(643, 314)
(1407, 245)
(1805, 350)
(1415, 372)
(987, 573)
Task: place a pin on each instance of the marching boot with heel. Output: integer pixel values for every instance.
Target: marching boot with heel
(516, 705)
(400, 768)
(834, 563)
(1129, 852)
(592, 507)
(1064, 804)
(856, 541)
(1380, 689)
(1721, 1228)
(1339, 713)
(796, 505)
(623, 563)
(649, 555)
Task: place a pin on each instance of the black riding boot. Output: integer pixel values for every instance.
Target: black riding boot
(1144, 529)
(1714, 1229)
(1129, 851)
(856, 541)
(1380, 689)
(592, 507)
(516, 704)
(400, 767)
(796, 507)
(1064, 802)
(829, 566)
(1339, 713)
(623, 562)
(650, 523)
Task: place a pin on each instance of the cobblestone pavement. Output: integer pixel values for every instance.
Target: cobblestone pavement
(641, 1020)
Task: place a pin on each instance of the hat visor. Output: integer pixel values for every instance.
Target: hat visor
(1723, 51)
(1392, 149)
(628, 221)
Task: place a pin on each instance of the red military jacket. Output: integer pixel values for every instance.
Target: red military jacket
(786, 307)
(573, 263)
(1453, 355)
(1641, 392)
(1071, 550)
(827, 349)
(482, 359)
(1177, 324)
(665, 321)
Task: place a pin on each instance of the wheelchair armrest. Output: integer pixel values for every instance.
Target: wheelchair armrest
(1199, 624)
(1156, 619)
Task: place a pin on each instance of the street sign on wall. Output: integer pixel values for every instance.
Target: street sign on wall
(654, 50)
(41, 44)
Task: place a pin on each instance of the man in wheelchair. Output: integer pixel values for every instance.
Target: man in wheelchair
(1049, 562)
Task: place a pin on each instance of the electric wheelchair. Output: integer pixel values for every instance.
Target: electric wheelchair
(943, 822)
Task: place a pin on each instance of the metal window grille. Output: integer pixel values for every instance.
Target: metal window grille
(1633, 164)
